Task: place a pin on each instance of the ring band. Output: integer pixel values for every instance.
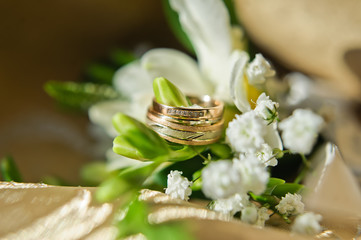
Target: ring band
(208, 108)
(198, 125)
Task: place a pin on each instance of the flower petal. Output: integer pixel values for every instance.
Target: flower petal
(272, 136)
(238, 88)
(178, 67)
(207, 25)
(132, 79)
(102, 113)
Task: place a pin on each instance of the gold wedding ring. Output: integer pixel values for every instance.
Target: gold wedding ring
(200, 124)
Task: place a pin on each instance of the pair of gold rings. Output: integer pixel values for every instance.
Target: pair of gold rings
(200, 124)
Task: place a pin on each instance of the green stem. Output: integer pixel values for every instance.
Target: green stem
(306, 167)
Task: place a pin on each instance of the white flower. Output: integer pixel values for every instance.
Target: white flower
(254, 215)
(249, 214)
(220, 180)
(178, 186)
(207, 24)
(307, 223)
(258, 70)
(262, 216)
(291, 204)
(231, 205)
(254, 176)
(265, 155)
(300, 130)
(246, 132)
(266, 108)
(300, 88)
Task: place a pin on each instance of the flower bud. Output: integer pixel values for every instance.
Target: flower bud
(136, 140)
(167, 93)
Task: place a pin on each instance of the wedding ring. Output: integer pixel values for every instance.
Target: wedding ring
(198, 125)
(208, 108)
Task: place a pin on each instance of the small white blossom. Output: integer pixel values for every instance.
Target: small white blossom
(291, 204)
(254, 215)
(307, 223)
(231, 205)
(254, 176)
(178, 186)
(220, 179)
(245, 133)
(258, 70)
(265, 155)
(249, 214)
(262, 216)
(266, 108)
(300, 130)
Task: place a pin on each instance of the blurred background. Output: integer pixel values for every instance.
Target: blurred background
(56, 40)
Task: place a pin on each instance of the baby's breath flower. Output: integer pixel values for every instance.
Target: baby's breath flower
(266, 108)
(258, 70)
(245, 133)
(262, 216)
(265, 155)
(307, 223)
(178, 186)
(291, 204)
(254, 215)
(220, 180)
(254, 176)
(300, 130)
(231, 205)
(249, 214)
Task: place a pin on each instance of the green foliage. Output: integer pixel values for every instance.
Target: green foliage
(282, 189)
(168, 94)
(136, 221)
(121, 57)
(79, 96)
(276, 188)
(173, 22)
(92, 174)
(100, 73)
(223, 151)
(9, 170)
(136, 140)
(56, 181)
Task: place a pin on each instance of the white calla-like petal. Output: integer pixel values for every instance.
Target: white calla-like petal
(272, 137)
(132, 79)
(103, 112)
(207, 25)
(237, 86)
(178, 68)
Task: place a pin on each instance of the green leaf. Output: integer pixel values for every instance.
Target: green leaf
(185, 152)
(232, 14)
(112, 188)
(121, 57)
(56, 181)
(100, 73)
(221, 150)
(264, 199)
(79, 96)
(173, 22)
(136, 140)
(197, 180)
(283, 189)
(136, 221)
(9, 170)
(272, 183)
(92, 174)
(168, 94)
